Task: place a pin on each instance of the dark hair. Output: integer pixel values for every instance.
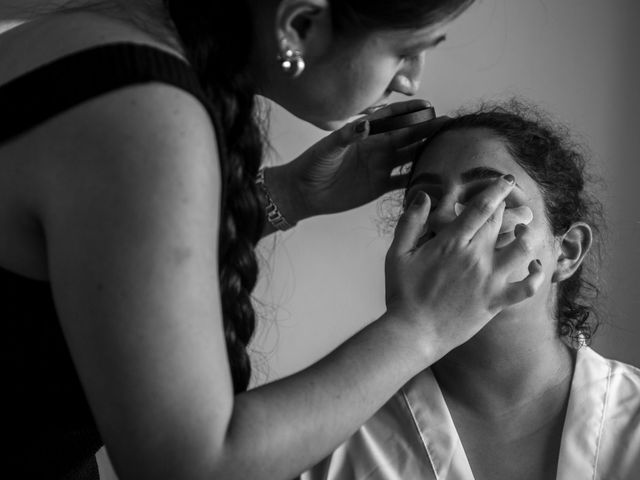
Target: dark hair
(204, 30)
(355, 16)
(545, 150)
(218, 42)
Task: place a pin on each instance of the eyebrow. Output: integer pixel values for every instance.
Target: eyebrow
(474, 174)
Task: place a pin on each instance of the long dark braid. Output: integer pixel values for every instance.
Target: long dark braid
(218, 44)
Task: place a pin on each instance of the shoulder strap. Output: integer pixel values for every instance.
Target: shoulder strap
(64, 83)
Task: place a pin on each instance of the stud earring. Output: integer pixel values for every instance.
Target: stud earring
(291, 61)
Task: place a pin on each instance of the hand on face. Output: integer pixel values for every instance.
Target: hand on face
(349, 168)
(448, 288)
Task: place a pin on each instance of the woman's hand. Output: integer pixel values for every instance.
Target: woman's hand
(349, 168)
(450, 286)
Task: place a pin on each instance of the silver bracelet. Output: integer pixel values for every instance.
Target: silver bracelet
(275, 217)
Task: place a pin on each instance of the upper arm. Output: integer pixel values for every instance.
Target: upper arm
(131, 222)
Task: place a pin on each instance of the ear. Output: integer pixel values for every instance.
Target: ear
(303, 24)
(574, 245)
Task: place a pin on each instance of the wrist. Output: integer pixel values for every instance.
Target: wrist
(282, 189)
(416, 341)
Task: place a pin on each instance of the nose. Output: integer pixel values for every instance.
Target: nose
(407, 79)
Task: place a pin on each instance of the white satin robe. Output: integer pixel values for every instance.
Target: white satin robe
(412, 437)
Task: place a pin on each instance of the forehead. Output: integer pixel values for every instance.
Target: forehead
(454, 152)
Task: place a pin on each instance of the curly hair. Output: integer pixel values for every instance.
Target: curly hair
(546, 151)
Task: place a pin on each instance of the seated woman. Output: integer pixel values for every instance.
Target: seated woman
(526, 398)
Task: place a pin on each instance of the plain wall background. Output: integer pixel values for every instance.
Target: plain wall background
(578, 59)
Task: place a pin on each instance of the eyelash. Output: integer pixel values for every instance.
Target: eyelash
(411, 55)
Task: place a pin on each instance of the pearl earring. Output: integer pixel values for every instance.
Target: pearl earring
(291, 61)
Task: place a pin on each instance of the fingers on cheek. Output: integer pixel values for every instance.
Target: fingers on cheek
(532, 282)
(526, 245)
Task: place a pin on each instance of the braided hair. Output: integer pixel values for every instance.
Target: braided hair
(222, 65)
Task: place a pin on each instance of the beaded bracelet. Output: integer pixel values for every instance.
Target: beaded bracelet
(275, 217)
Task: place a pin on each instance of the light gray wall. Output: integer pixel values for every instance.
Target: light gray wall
(579, 60)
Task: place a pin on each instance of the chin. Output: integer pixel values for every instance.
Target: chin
(326, 120)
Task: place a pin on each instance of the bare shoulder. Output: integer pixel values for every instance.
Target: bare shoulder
(154, 120)
(152, 133)
(29, 44)
(150, 120)
(141, 160)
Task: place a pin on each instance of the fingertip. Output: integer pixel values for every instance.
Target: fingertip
(420, 200)
(411, 224)
(509, 179)
(519, 229)
(535, 266)
(361, 128)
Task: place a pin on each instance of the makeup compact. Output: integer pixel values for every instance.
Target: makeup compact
(402, 120)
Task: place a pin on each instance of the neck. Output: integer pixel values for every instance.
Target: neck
(513, 365)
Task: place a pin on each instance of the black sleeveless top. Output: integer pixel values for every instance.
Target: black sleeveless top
(49, 427)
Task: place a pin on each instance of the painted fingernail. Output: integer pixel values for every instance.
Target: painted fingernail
(509, 178)
(421, 198)
(519, 227)
(361, 126)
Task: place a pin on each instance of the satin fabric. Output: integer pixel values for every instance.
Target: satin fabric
(413, 436)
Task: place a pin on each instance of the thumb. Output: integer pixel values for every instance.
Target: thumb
(335, 144)
(411, 225)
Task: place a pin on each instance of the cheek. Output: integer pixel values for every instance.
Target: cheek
(348, 82)
(368, 82)
(341, 97)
